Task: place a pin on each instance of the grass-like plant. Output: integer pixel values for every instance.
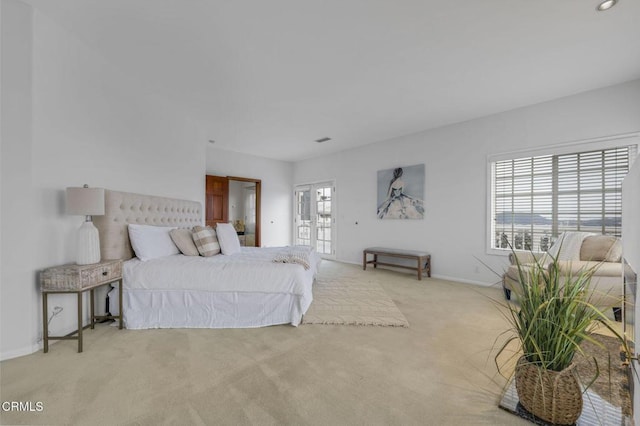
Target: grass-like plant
(555, 314)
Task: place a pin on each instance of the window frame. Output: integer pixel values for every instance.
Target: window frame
(582, 146)
(312, 186)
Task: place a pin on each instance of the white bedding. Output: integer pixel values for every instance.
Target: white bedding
(243, 290)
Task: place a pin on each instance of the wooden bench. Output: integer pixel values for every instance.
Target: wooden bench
(422, 258)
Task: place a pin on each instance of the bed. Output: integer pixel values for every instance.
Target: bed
(247, 289)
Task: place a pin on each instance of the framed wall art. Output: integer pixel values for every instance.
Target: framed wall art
(401, 192)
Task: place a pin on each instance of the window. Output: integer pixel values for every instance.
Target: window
(534, 199)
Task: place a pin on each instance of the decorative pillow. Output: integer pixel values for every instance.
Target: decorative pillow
(183, 238)
(601, 248)
(206, 240)
(228, 237)
(149, 242)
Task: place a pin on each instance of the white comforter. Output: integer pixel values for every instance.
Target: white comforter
(252, 270)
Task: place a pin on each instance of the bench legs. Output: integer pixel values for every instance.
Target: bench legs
(364, 261)
(423, 262)
(507, 292)
(426, 261)
(617, 313)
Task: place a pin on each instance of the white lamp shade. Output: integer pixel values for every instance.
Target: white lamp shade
(85, 201)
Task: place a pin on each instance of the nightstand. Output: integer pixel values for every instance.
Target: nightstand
(78, 279)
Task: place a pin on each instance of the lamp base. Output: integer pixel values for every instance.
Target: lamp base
(88, 244)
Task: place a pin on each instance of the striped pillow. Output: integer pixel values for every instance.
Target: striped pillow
(206, 240)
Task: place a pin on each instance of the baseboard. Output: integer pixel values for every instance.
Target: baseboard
(464, 281)
(27, 350)
(37, 346)
(440, 277)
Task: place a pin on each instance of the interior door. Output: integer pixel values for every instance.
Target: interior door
(216, 200)
(315, 217)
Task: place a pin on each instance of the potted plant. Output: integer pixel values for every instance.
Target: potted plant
(554, 315)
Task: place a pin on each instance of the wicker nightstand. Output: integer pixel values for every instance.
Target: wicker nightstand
(77, 279)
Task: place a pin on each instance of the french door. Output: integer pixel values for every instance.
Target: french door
(315, 217)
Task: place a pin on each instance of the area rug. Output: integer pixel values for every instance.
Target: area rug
(612, 383)
(352, 299)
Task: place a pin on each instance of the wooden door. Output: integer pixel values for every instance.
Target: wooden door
(216, 200)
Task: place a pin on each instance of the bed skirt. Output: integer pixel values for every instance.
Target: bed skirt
(145, 309)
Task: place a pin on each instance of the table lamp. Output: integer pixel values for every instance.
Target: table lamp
(87, 202)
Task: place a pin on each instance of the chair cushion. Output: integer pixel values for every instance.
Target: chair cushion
(514, 274)
(601, 248)
(568, 245)
(601, 269)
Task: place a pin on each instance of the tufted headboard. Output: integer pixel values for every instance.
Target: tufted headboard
(122, 208)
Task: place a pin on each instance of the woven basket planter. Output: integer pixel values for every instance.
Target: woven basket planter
(553, 396)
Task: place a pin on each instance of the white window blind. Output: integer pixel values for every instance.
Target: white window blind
(535, 199)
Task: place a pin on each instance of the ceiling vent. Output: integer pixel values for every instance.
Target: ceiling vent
(325, 139)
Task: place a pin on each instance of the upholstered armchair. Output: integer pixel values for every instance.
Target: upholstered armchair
(578, 251)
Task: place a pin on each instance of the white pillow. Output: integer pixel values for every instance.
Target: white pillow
(149, 242)
(228, 239)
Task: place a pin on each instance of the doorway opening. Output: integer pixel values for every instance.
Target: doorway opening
(235, 200)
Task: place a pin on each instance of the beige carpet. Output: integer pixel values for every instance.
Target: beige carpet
(352, 298)
(438, 371)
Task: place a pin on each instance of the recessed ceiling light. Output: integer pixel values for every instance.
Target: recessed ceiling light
(325, 139)
(606, 5)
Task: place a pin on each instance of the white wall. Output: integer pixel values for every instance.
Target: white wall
(18, 292)
(277, 193)
(454, 227)
(89, 124)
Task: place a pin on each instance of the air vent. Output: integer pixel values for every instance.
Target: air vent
(325, 139)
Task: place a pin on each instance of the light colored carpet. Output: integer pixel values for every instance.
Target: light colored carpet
(439, 371)
(351, 298)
